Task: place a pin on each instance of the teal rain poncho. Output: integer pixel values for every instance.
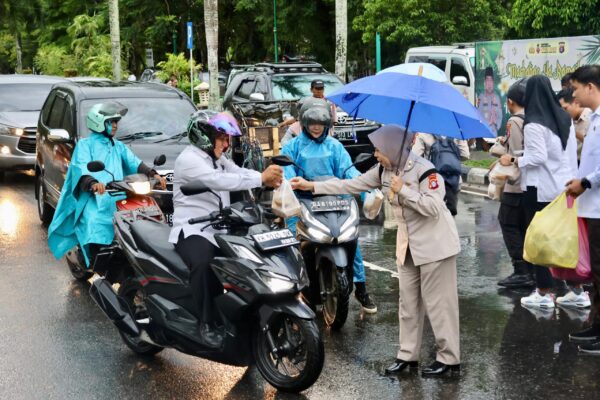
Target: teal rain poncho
(83, 217)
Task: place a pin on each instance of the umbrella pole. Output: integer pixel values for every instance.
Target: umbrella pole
(410, 110)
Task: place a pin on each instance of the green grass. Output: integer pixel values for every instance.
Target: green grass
(485, 163)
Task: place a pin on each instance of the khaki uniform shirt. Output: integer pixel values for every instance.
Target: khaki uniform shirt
(582, 125)
(425, 226)
(514, 147)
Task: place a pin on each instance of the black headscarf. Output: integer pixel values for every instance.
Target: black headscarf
(542, 107)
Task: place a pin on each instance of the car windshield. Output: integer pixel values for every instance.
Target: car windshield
(23, 96)
(152, 118)
(292, 87)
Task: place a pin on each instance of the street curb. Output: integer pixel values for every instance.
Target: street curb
(475, 179)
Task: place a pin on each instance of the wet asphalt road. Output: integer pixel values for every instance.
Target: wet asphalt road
(56, 344)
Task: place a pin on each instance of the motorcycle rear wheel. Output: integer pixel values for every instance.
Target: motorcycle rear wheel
(131, 291)
(336, 296)
(300, 356)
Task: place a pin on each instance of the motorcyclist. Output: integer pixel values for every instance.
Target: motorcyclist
(83, 215)
(203, 161)
(319, 154)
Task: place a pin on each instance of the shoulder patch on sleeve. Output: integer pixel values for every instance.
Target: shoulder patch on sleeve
(433, 182)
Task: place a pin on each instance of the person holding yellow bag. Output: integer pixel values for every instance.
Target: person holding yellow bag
(549, 160)
(586, 187)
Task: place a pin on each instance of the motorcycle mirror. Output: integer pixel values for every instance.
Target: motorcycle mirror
(282, 160)
(95, 166)
(160, 160)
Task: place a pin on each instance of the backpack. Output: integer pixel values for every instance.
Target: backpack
(445, 156)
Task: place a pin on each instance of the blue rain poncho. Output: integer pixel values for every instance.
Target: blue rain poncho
(321, 157)
(82, 217)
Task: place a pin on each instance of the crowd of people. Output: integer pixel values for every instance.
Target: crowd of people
(541, 141)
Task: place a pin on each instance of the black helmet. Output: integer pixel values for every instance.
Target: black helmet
(204, 126)
(315, 112)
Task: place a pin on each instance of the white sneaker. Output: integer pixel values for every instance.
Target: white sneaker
(574, 300)
(537, 300)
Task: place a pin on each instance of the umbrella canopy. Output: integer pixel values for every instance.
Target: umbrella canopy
(414, 102)
(426, 70)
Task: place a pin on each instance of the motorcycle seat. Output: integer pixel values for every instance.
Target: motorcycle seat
(153, 238)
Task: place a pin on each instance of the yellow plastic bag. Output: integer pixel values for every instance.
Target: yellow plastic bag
(552, 238)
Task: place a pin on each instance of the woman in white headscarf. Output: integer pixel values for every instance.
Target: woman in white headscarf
(426, 247)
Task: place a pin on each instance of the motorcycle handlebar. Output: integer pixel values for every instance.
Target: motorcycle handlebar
(198, 220)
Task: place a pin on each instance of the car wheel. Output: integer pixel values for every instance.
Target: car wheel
(45, 212)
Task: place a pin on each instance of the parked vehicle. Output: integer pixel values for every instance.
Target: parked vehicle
(267, 93)
(262, 272)
(501, 63)
(133, 193)
(21, 98)
(328, 233)
(156, 123)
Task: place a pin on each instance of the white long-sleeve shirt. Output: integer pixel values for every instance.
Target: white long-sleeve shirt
(193, 165)
(544, 164)
(588, 204)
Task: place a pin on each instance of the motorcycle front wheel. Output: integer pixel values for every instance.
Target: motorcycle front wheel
(77, 268)
(298, 360)
(335, 295)
(131, 291)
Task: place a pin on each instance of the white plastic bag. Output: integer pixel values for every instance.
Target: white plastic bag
(372, 204)
(498, 177)
(495, 191)
(498, 149)
(285, 204)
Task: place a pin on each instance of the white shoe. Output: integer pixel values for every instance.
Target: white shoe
(574, 300)
(537, 300)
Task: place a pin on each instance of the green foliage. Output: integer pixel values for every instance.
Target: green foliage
(52, 59)
(408, 23)
(178, 65)
(544, 18)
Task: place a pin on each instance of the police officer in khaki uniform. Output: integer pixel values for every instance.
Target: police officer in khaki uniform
(426, 246)
(489, 103)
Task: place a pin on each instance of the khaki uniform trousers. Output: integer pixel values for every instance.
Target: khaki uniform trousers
(429, 289)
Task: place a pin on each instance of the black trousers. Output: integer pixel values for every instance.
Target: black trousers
(594, 238)
(451, 199)
(197, 251)
(513, 223)
(543, 277)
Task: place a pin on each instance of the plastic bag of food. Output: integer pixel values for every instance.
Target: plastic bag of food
(498, 149)
(495, 191)
(552, 239)
(500, 173)
(285, 204)
(583, 272)
(372, 204)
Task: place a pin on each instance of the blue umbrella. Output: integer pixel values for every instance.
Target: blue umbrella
(413, 102)
(426, 70)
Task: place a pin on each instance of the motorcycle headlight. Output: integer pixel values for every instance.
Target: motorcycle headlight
(277, 283)
(141, 187)
(352, 218)
(307, 217)
(244, 252)
(319, 236)
(347, 235)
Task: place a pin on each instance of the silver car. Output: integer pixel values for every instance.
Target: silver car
(21, 99)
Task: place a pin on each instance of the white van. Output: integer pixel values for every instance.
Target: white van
(457, 61)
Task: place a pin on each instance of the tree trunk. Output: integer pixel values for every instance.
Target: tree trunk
(19, 52)
(341, 38)
(115, 38)
(211, 26)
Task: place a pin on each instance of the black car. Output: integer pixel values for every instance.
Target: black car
(21, 98)
(155, 124)
(266, 83)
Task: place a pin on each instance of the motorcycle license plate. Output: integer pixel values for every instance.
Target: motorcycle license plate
(169, 218)
(275, 239)
(330, 205)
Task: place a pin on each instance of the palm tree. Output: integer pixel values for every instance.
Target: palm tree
(341, 38)
(211, 25)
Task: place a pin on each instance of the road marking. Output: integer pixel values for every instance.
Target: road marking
(375, 267)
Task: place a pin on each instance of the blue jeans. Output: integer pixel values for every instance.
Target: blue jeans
(359, 266)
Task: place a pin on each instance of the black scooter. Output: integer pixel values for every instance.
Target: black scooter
(262, 273)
